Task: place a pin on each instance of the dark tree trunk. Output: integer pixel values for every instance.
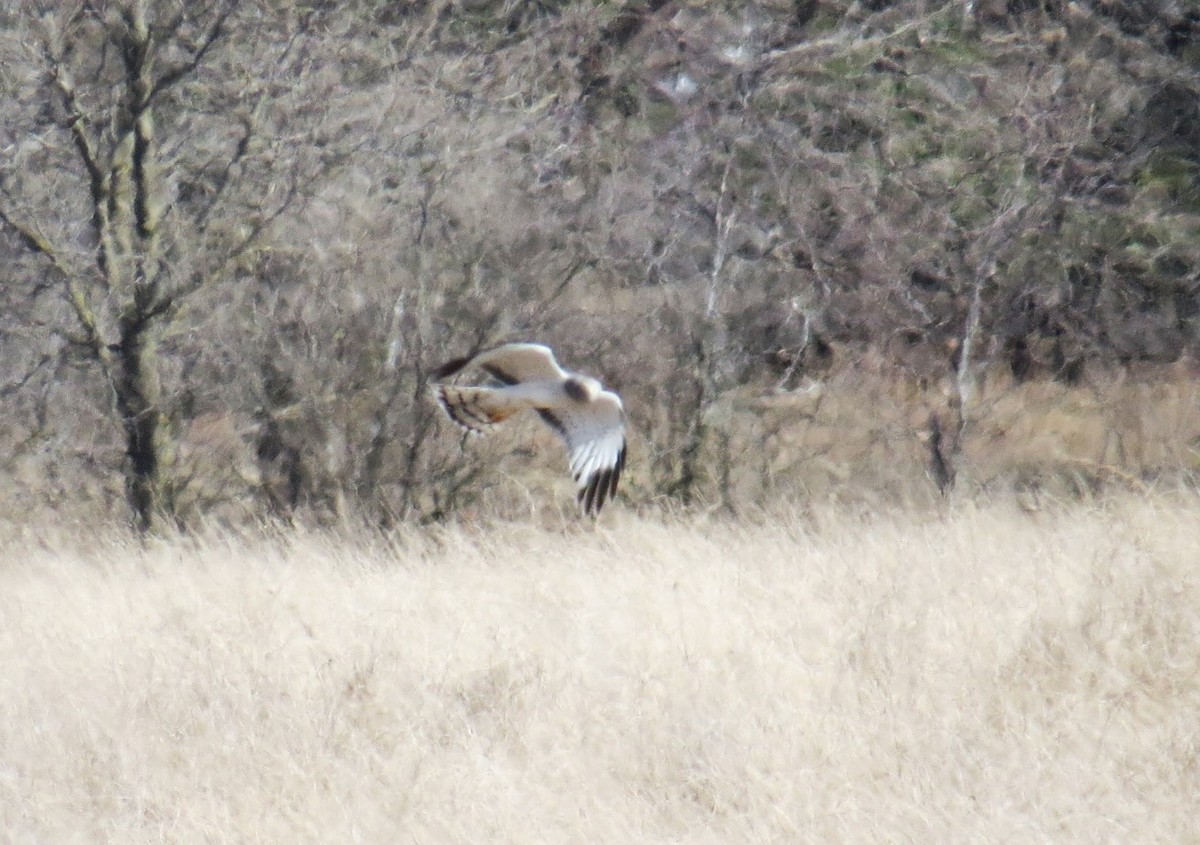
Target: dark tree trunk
(137, 395)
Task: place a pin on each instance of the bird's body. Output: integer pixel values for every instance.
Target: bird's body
(588, 418)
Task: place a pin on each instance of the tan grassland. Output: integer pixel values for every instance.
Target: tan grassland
(986, 674)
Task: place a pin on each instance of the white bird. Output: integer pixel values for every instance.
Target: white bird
(588, 418)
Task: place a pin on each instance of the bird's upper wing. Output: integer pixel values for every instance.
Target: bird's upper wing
(511, 363)
(595, 438)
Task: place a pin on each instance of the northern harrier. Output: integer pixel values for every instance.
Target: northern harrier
(588, 418)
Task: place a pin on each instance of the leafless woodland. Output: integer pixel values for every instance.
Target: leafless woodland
(822, 248)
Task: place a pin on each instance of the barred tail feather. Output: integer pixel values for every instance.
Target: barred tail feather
(476, 409)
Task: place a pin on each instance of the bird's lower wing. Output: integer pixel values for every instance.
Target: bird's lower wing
(595, 438)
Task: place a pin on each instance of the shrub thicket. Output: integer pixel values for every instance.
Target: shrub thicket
(239, 233)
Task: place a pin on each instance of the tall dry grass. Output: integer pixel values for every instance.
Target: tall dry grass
(987, 675)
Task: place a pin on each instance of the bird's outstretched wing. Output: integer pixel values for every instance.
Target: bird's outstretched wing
(595, 438)
(511, 363)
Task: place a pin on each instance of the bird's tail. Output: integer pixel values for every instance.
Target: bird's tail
(474, 408)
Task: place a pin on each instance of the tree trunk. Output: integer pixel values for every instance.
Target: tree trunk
(138, 398)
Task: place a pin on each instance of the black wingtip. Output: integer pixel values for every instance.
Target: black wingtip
(587, 496)
(616, 474)
(450, 368)
(601, 487)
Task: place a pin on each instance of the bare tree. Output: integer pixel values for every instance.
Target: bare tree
(260, 224)
(157, 169)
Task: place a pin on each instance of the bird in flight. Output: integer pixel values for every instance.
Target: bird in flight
(589, 419)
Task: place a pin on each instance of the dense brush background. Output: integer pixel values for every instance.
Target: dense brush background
(903, 298)
(238, 234)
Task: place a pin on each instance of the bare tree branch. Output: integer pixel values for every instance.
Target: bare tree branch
(240, 151)
(173, 298)
(211, 36)
(20, 381)
(76, 294)
(98, 184)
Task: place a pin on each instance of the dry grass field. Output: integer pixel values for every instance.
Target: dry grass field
(982, 675)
